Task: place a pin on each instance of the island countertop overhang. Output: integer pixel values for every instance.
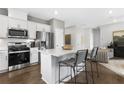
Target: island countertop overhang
(57, 52)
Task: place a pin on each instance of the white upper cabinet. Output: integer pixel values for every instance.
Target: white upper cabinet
(32, 27)
(43, 27)
(3, 26)
(47, 28)
(17, 23)
(39, 27)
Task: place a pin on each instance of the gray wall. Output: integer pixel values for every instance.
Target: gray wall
(38, 20)
(4, 11)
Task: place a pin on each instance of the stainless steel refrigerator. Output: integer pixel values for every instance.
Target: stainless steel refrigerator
(44, 40)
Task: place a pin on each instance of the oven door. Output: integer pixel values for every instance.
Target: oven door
(13, 59)
(19, 58)
(24, 57)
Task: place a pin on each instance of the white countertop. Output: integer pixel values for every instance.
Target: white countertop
(115, 65)
(57, 52)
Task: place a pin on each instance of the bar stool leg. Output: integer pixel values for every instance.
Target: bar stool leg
(92, 72)
(74, 74)
(71, 72)
(86, 73)
(59, 73)
(97, 69)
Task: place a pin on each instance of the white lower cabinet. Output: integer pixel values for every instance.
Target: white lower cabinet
(34, 55)
(3, 61)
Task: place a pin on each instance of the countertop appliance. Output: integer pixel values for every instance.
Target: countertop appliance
(19, 55)
(17, 33)
(44, 40)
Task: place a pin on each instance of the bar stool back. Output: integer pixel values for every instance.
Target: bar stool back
(81, 62)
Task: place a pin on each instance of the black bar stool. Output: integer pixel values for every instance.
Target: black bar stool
(92, 59)
(81, 57)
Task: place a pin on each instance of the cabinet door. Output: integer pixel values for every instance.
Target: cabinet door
(16, 23)
(43, 27)
(47, 28)
(40, 27)
(3, 26)
(33, 55)
(13, 23)
(32, 30)
(23, 24)
(3, 60)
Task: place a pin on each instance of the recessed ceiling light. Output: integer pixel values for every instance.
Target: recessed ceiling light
(110, 12)
(56, 12)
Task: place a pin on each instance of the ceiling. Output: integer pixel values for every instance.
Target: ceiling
(85, 17)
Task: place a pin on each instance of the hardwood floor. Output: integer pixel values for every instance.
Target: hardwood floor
(106, 76)
(31, 75)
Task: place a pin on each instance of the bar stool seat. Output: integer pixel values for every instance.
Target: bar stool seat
(68, 62)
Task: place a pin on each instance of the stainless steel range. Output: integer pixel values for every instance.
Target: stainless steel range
(19, 55)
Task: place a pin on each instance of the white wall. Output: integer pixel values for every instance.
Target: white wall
(80, 38)
(96, 37)
(106, 32)
(88, 38)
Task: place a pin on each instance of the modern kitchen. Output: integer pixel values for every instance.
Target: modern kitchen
(61, 46)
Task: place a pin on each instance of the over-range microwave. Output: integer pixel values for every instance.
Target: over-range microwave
(17, 33)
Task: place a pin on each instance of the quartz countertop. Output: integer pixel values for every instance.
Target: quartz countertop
(57, 52)
(115, 65)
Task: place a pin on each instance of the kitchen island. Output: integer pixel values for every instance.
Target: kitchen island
(50, 67)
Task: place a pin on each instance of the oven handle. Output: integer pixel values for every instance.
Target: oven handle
(19, 52)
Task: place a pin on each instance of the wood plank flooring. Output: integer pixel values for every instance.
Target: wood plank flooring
(31, 75)
(28, 75)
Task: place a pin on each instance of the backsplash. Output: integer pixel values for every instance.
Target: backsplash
(4, 42)
(17, 40)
